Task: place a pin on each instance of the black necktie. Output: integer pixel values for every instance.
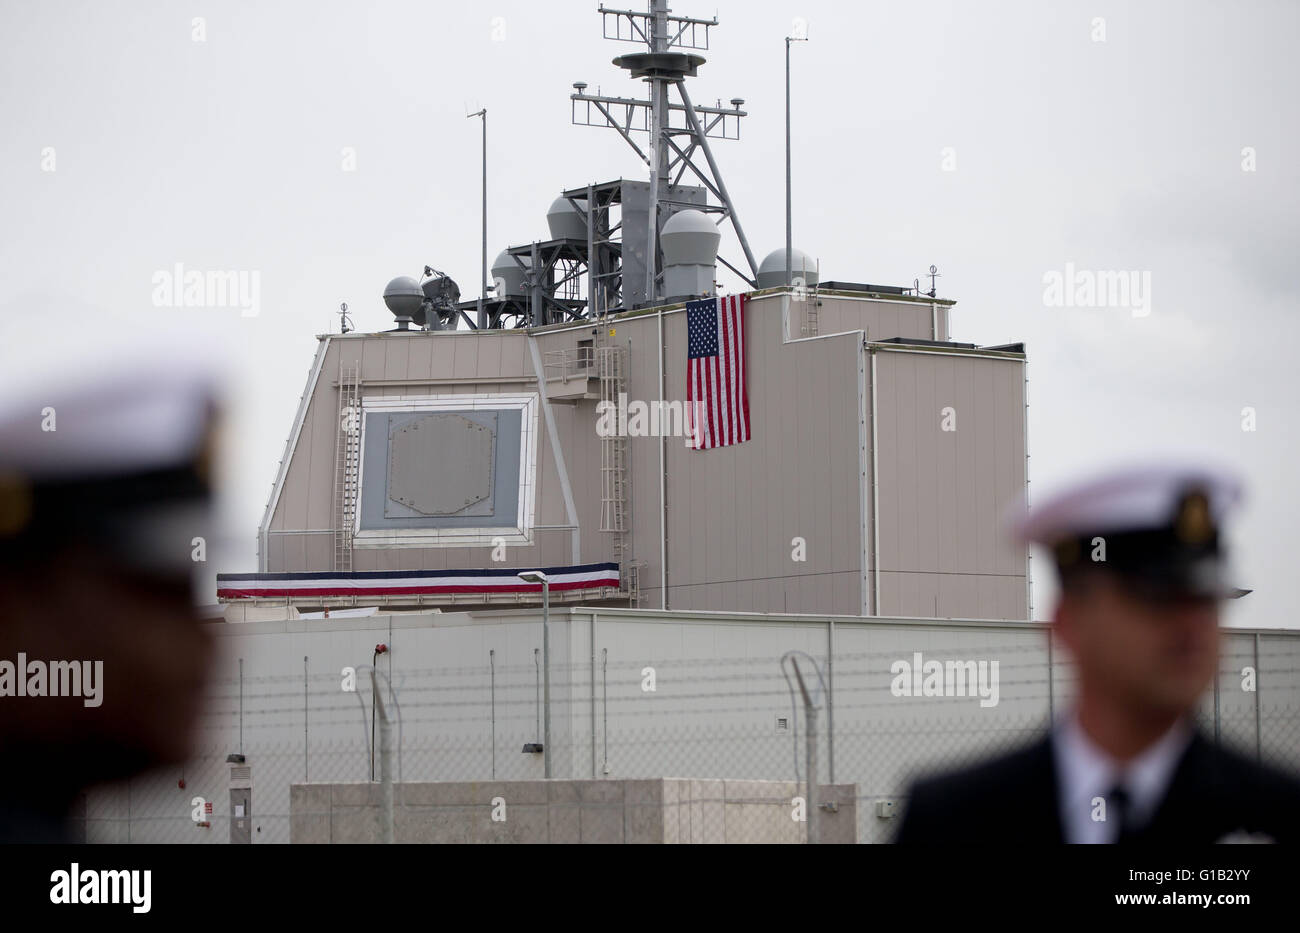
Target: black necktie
(1119, 812)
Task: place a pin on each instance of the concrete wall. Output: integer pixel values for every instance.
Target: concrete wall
(669, 810)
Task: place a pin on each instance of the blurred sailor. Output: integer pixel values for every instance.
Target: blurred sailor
(1143, 572)
(103, 490)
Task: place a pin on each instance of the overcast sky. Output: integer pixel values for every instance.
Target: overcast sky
(997, 140)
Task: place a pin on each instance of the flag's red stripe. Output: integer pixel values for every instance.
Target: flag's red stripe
(690, 390)
(711, 393)
(724, 436)
(704, 401)
(701, 411)
(697, 423)
(741, 362)
(736, 369)
(690, 393)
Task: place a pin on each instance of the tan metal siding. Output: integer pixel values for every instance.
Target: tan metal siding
(880, 318)
(419, 360)
(307, 499)
(943, 493)
(321, 448)
(733, 511)
(397, 357)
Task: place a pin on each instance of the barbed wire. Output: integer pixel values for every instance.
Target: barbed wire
(717, 719)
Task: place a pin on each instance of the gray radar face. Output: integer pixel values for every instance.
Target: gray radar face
(456, 469)
(451, 470)
(441, 464)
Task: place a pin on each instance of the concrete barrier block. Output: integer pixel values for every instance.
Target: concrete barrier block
(651, 811)
(561, 791)
(644, 792)
(601, 792)
(309, 798)
(356, 794)
(526, 824)
(565, 822)
(354, 825)
(440, 825)
(310, 828)
(602, 825)
(645, 823)
(707, 817)
(525, 792)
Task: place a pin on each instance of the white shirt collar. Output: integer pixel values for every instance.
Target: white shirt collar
(1085, 772)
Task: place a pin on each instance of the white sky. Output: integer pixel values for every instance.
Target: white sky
(1116, 155)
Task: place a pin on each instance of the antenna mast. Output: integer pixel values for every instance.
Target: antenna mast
(677, 130)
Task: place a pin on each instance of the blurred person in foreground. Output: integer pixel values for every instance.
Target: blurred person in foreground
(1143, 572)
(103, 657)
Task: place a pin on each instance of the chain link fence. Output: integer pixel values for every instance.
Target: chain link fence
(729, 732)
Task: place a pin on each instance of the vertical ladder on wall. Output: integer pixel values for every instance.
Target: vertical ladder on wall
(810, 316)
(808, 296)
(615, 474)
(632, 585)
(810, 303)
(346, 460)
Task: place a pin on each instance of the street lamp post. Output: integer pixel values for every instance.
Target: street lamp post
(789, 248)
(537, 576)
(482, 320)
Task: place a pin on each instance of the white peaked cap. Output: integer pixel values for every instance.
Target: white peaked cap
(1126, 499)
(131, 415)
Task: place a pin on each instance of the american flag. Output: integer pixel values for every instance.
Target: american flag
(717, 409)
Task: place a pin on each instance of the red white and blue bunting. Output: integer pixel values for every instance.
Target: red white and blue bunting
(397, 583)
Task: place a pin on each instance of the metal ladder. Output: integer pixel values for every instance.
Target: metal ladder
(346, 459)
(809, 315)
(808, 297)
(615, 475)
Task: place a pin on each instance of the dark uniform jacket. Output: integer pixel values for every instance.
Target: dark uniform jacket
(1214, 793)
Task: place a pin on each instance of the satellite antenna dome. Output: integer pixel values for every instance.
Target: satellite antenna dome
(508, 276)
(690, 238)
(403, 296)
(771, 271)
(567, 221)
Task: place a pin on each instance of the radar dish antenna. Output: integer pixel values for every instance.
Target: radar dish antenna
(441, 294)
